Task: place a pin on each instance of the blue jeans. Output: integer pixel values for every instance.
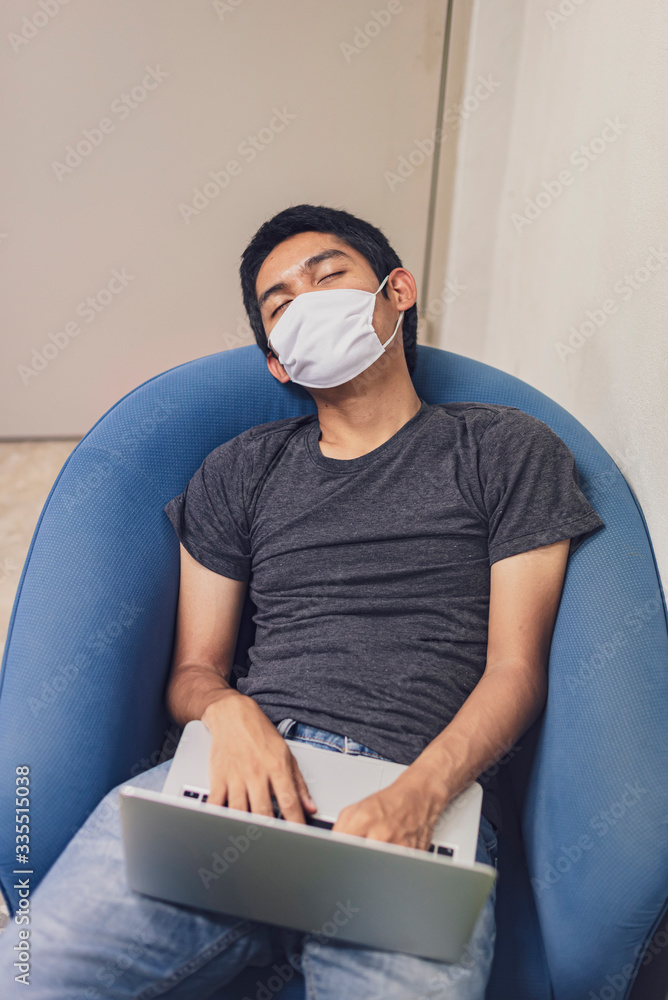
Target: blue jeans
(93, 938)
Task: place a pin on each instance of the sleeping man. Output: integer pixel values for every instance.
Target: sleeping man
(406, 561)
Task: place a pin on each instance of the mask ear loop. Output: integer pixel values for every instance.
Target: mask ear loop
(390, 339)
(401, 315)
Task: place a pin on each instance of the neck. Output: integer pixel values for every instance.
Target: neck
(355, 419)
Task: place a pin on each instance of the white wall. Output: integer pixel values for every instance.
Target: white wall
(536, 290)
(356, 97)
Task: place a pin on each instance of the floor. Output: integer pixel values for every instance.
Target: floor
(28, 470)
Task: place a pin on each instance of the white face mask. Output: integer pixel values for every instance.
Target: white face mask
(326, 338)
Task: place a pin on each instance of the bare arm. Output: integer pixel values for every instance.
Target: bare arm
(207, 626)
(525, 591)
(249, 758)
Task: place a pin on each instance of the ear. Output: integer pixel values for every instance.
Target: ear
(276, 368)
(401, 289)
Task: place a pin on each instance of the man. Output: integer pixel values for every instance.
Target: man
(406, 561)
(367, 534)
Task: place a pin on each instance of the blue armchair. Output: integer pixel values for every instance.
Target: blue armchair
(583, 878)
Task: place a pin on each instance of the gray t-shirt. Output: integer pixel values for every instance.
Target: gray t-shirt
(371, 575)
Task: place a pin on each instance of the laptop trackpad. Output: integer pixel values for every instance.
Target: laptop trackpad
(335, 779)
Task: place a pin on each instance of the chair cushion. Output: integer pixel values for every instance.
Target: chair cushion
(89, 647)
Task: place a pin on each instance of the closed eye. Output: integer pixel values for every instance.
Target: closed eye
(334, 274)
(278, 308)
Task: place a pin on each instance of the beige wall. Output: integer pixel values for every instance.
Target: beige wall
(299, 101)
(527, 87)
(568, 294)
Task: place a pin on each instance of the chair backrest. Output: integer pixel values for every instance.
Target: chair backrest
(583, 879)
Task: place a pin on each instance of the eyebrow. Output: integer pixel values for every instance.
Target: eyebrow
(307, 265)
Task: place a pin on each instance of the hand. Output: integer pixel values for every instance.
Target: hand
(249, 759)
(403, 813)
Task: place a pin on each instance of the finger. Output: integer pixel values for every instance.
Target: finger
(345, 821)
(217, 793)
(236, 794)
(302, 788)
(425, 836)
(287, 796)
(259, 799)
(217, 782)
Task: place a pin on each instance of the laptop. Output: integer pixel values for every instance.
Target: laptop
(307, 877)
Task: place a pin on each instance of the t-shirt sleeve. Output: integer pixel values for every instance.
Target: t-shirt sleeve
(209, 517)
(530, 487)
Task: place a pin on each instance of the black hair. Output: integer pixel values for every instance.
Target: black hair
(356, 233)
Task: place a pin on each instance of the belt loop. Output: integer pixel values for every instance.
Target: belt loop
(284, 726)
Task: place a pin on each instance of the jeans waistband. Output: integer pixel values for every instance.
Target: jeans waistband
(293, 729)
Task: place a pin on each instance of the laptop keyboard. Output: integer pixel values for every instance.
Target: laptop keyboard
(190, 793)
(193, 793)
(312, 821)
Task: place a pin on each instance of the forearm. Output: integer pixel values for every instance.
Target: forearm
(503, 705)
(193, 690)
